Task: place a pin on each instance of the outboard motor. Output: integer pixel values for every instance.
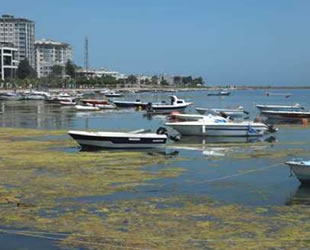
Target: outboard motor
(162, 131)
(175, 137)
(149, 107)
(271, 128)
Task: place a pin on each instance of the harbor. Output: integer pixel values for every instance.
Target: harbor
(227, 190)
(154, 125)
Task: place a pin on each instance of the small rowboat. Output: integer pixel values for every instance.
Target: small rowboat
(119, 140)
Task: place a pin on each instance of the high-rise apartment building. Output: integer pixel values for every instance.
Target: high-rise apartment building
(19, 33)
(8, 62)
(49, 53)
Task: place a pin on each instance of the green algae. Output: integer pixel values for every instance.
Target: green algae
(41, 189)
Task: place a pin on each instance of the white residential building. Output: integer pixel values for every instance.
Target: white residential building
(99, 73)
(21, 33)
(8, 62)
(49, 53)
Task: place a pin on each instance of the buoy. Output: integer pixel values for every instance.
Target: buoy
(174, 115)
(304, 121)
(258, 119)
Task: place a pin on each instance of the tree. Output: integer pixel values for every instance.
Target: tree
(132, 79)
(198, 81)
(24, 70)
(57, 70)
(110, 80)
(164, 82)
(154, 79)
(187, 80)
(70, 69)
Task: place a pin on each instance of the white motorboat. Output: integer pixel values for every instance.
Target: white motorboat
(220, 93)
(295, 107)
(68, 102)
(176, 104)
(134, 139)
(60, 97)
(86, 108)
(301, 169)
(211, 125)
(234, 113)
(35, 95)
(113, 94)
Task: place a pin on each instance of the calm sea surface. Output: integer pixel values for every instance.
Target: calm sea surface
(215, 170)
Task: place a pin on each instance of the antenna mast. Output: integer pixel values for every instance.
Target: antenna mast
(86, 54)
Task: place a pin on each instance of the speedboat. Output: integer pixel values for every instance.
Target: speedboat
(301, 169)
(36, 95)
(220, 93)
(212, 125)
(130, 104)
(60, 97)
(295, 107)
(234, 113)
(134, 139)
(176, 104)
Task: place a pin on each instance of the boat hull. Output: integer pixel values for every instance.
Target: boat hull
(301, 171)
(125, 141)
(286, 115)
(124, 104)
(218, 130)
(278, 108)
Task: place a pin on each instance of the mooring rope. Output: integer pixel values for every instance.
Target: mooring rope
(37, 235)
(239, 174)
(31, 234)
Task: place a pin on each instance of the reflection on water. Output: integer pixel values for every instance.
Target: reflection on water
(222, 146)
(194, 140)
(301, 196)
(284, 120)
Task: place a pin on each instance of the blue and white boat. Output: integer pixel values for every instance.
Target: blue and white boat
(212, 125)
(301, 169)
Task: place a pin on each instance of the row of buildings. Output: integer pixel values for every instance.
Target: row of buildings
(17, 42)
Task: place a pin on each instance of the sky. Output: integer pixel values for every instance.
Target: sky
(240, 42)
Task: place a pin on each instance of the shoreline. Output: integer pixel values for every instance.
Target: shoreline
(166, 89)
